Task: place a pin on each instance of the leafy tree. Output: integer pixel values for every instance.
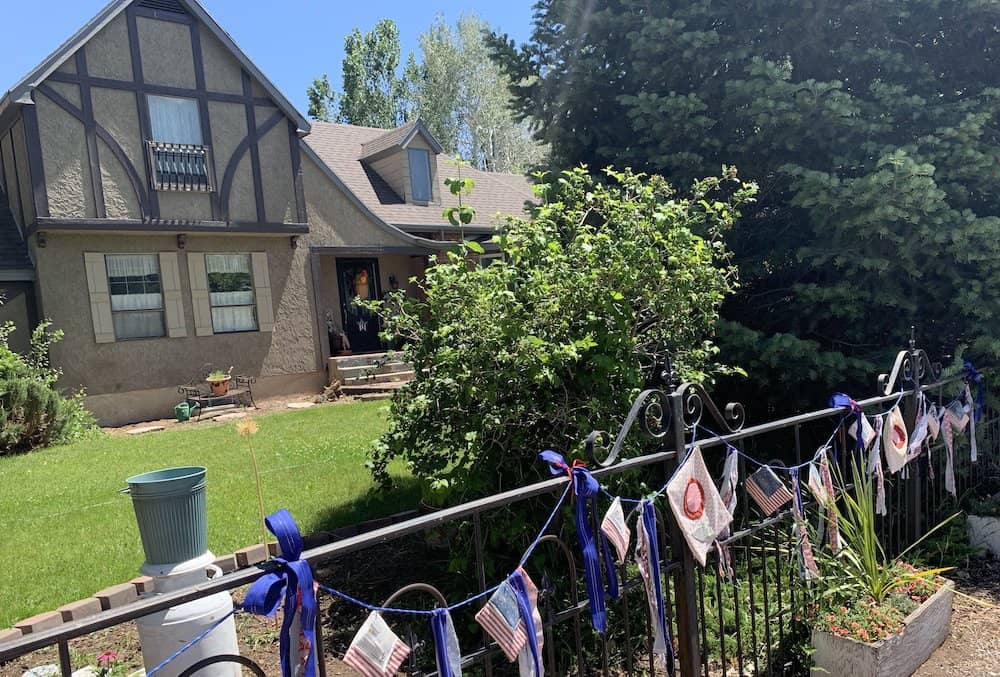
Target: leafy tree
(463, 98)
(321, 99)
(373, 93)
(871, 127)
(539, 348)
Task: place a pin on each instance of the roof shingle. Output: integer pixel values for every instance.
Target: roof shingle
(341, 147)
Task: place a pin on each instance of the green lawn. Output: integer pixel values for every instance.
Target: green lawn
(66, 531)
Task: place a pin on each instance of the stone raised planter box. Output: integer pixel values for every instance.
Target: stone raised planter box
(900, 655)
(984, 532)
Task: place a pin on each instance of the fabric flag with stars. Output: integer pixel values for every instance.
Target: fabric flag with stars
(767, 491)
(501, 619)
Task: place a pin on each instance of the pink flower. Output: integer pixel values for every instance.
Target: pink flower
(107, 657)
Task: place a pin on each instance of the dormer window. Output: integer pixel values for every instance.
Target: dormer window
(420, 174)
(178, 158)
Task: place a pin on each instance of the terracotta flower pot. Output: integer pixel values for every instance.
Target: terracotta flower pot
(219, 387)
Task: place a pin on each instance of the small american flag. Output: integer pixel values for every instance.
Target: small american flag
(613, 526)
(501, 618)
(376, 651)
(767, 490)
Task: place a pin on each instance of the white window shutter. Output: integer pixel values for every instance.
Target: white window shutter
(100, 300)
(199, 294)
(262, 292)
(173, 304)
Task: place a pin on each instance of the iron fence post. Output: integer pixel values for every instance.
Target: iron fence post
(684, 575)
(910, 411)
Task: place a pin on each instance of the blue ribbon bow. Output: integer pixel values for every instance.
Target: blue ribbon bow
(842, 401)
(293, 583)
(586, 489)
(528, 617)
(972, 375)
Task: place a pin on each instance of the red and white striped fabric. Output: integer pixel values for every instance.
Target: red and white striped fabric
(501, 619)
(767, 491)
(376, 651)
(832, 523)
(614, 527)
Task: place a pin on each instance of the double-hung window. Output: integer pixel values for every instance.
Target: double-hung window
(136, 295)
(231, 292)
(420, 174)
(178, 157)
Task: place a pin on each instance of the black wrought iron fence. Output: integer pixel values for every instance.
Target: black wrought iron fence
(744, 624)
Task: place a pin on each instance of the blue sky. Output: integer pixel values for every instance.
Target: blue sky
(291, 41)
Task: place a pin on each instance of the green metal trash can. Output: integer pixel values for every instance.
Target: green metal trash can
(170, 508)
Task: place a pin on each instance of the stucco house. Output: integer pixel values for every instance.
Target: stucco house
(164, 204)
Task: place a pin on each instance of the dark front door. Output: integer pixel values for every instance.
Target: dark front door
(359, 278)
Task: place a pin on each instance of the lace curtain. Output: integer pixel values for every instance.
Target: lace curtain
(175, 120)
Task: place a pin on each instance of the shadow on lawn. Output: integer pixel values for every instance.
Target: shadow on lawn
(373, 504)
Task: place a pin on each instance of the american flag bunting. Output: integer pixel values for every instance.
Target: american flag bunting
(767, 490)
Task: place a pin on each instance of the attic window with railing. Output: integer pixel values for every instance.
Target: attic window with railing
(178, 158)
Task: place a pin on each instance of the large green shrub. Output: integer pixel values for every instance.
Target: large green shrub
(537, 349)
(33, 412)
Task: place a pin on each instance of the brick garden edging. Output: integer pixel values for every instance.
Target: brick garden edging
(125, 593)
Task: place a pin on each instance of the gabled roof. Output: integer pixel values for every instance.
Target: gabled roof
(342, 147)
(20, 91)
(399, 137)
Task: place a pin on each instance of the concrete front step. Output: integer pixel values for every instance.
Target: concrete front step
(365, 360)
(367, 389)
(347, 373)
(379, 378)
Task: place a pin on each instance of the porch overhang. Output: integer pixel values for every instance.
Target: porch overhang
(374, 250)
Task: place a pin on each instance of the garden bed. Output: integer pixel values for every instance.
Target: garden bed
(924, 630)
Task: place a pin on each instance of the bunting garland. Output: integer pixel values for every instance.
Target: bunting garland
(807, 560)
(446, 651)
(698, 509)
(702, 510)
(376, 650)
(833, 526)
(727, 492)
(647, 558)
(895, 444)
(529, 659)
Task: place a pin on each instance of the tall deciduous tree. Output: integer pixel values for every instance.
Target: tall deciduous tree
(373, 93)
(463, 98)
(871, 126)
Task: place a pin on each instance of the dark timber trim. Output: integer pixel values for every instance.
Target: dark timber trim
(206, 123)
(145, 126)
(168, 227)
(254, 135)
(87, 106)
(234, 161)
(17, 184)
(33, 144)
(142, 196)
(296, 155)
(165, 90)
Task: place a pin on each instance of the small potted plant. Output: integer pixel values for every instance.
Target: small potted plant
(871, 615)
(218, 381)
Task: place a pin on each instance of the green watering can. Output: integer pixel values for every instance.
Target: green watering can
(185, 411)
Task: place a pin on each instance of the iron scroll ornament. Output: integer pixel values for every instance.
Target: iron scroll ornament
(652, 410)
(910, 368)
